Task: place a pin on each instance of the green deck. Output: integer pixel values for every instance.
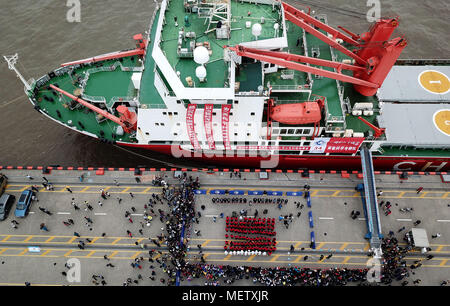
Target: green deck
(106, 84)
(148, 93)
(109, 85)
(217, 69)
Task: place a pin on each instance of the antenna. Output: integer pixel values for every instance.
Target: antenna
(12, 61)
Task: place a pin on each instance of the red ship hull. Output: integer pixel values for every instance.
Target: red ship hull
(381, 163)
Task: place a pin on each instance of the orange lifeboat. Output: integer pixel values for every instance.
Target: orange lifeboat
(298, 113)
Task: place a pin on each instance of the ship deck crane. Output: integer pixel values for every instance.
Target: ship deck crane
(374, 56)
(127, 120)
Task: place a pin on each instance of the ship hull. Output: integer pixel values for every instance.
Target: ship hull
(381, 163)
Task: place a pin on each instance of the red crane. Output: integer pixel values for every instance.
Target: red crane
(378, 131)
(374, 56)
(127, 120)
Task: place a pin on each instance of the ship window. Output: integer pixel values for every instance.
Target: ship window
(248, 134)
(252, 114)
(235, 134)
(266, 65)
(231, 113)
(178, 101)
(175, 134)
(164, 113)
(236, 124)
(215, 124)
(249, 124)
(272, 65)
(214, 113)
(291, 131)
(157, 124)
(236, 101)
(276, 131)
(298, 131)
(147, 133)
(178, 124)
(305, 131)
(283, 131)
(170, 113)
(162, 124)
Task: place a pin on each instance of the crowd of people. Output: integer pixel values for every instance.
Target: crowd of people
(215, 275)
(178, 215)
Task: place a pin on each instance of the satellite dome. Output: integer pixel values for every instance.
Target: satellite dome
(256, 29)
(201, 55)
(200, 72)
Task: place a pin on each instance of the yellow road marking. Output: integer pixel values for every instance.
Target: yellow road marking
(226, 257)
(205, 243)
(366, 248)
(146, 190)
(445, 195)
(346, 259)
(91, 253)
(2, 250)
(136, 254)
(401, 194)
(71, 239)
(275, 258)
(85, 189)
(7, 237)
(443, 262)
(439, 248)
(113, 254)
(251, 257)
(28, 239)
(313, 194)
(68, 253)
(299, 257)
(117, 240)
(125, 190)
(23, 252)
(50, 239)
(45, 253)
(336, 193)
(320, 245)
(343, 246)
(298, 244)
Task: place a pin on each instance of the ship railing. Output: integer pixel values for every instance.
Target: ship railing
(153, 106)
(115, 100)
(290, 87)
(95, 99)
(249, 93)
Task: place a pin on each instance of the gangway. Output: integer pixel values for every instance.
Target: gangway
(370, 201)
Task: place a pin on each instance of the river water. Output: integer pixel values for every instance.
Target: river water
(40, 33)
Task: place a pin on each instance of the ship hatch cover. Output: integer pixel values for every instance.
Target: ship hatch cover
(416, 84)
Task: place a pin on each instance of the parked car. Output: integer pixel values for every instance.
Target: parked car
(3, 182)
(6, 202)
(23, 205)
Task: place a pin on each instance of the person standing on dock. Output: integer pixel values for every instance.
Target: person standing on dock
(419, 189)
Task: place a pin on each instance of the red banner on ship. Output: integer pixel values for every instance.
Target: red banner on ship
(190, 125)
(226, 109)
(207, 120)
(348, 145)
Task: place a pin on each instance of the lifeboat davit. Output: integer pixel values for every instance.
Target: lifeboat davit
(298, 113)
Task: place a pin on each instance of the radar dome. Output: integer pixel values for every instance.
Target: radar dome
(201, 55)
(256, 29)
(200, 72)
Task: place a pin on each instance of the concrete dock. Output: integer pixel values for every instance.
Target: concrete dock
(29, 254)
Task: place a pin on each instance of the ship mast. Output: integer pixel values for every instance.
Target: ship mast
(12, 61)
